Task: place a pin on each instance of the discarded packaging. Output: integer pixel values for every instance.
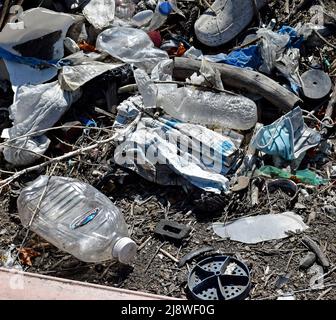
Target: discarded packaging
(165, 162)
(209, 108)
(200, 107)
(260, 228)
(100, 13)
(35, 108)
(73, 77)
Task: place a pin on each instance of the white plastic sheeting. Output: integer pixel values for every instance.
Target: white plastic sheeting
(37, 22)
(260, 228)
(36, 107)
(100, 13)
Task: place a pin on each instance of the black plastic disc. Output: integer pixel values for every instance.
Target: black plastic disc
(316, 84)
(219, 278)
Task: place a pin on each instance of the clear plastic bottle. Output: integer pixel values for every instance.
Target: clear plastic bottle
(142, 18)
(124, 9)
(209, 108)
(162, 11)
(76, 218)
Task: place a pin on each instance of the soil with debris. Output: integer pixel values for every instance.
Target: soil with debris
(274, 265)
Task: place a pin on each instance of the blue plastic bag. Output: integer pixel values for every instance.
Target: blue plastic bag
(31, 61)
(244, 58)
(295, 40)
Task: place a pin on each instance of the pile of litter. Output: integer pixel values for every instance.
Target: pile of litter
(158, 145)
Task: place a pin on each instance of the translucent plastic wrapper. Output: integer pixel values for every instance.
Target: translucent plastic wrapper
(36, 107)
(288, 66)
(100, 13)
(209, 76)
(272, 46)
(171, 152)
(132, 46)
(307, 30)
(76, 218)
(261, 228)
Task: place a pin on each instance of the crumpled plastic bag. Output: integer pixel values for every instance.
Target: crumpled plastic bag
(248, 57)
(288, 66)
(36, 107)
(287, 137)
(131, 45)
(209, 76)
(272, 46)
(306, 30)
(100, 13)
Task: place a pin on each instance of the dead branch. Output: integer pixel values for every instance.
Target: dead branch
(68, 155)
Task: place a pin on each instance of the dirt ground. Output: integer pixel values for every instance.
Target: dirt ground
(144, 204)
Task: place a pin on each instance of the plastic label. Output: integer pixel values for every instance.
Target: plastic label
(88, 218)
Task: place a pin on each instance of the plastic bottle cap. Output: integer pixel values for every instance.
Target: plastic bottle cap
(125, 250)
(165, 8)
